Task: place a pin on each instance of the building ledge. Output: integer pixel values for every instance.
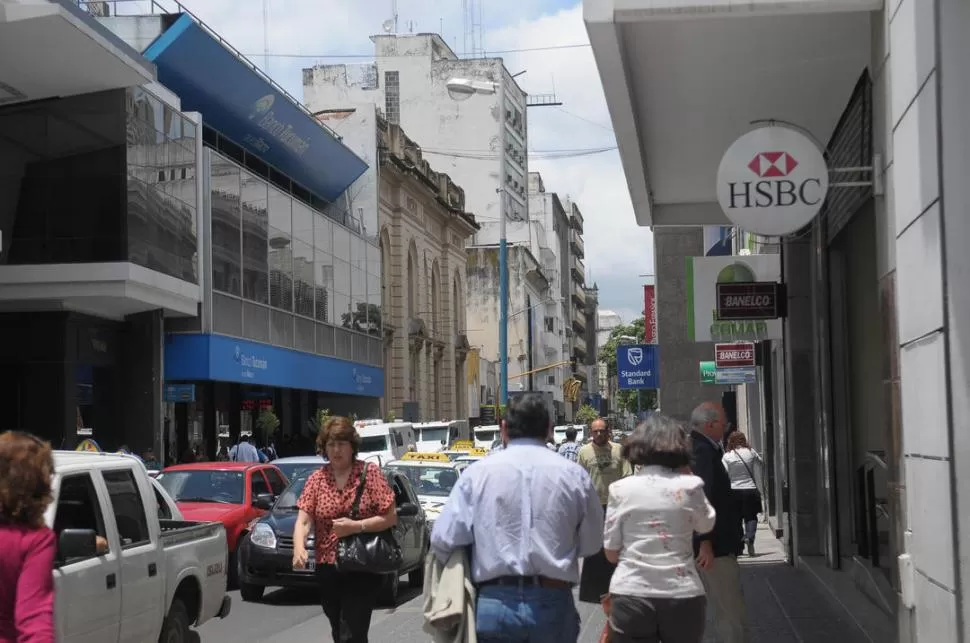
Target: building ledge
(109, 290)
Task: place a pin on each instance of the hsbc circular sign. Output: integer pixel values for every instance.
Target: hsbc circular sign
(772, 181)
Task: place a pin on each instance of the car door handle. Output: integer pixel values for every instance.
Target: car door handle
(152, 570)
(111, 581)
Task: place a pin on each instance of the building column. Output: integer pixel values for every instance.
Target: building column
(142, 365)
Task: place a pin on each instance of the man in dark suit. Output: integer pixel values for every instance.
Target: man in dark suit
(717, 551)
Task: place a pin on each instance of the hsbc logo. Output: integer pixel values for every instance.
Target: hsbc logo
(772, 181)
(773, 164)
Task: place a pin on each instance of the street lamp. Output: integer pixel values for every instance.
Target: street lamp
(462, 89)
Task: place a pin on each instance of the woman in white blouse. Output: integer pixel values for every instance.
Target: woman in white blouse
(656, 593)
(744, 467)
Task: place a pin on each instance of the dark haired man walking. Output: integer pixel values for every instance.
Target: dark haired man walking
(529, 515)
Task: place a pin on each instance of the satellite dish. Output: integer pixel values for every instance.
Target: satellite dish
(388, 26)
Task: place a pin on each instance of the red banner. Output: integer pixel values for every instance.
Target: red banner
(649, 314)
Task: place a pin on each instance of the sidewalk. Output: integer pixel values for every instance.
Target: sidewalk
(785, 605)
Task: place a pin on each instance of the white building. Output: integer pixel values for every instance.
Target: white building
(870, 388)
(606, 322)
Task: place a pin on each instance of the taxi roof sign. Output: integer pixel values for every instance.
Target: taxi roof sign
(462, 445)
(477, 452)
(426, 457)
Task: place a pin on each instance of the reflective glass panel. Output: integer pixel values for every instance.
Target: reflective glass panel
(341, 243)
(302, 278)
(226, 226)
(323, 234)
(323, 286)
(303, 223)
(255, 221)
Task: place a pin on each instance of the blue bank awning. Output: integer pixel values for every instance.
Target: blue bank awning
(243, 106)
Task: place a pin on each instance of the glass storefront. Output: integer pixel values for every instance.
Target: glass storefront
(102, 177)
(286, 274)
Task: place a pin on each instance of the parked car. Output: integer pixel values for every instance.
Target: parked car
(299, 466)
(266, 553)
(233, 493)
(156, 579)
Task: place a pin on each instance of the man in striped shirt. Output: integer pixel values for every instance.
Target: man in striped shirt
(569, 449)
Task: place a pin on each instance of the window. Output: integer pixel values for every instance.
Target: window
(128, 508)
(398, 440)
(78, 508)
(275, 481)
(258, 484)
(164, 513)
(392, 97)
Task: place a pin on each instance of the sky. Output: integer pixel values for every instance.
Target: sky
(618, 251)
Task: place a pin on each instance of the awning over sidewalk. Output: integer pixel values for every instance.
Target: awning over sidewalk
(52, 48)
(684, 79)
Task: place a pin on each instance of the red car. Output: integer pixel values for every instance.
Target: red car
(233, 493)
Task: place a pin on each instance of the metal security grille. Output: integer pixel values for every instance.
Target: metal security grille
(392, 97)
(850, 148)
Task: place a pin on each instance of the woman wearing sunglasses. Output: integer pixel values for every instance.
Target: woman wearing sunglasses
(27, 546)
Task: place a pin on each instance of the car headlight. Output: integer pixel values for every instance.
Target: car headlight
(263, 535)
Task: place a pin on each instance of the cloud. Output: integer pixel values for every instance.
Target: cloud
(617, 250)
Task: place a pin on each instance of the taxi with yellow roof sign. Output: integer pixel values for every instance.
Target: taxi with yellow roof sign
(433, 476)
(465, 460)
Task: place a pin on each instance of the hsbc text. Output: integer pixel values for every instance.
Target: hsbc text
(780, 193)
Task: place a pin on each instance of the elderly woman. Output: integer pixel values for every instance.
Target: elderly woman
(656, 593)
(744, 467)
(348, 598)
(27, 546)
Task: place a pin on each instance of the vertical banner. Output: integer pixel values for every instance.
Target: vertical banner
(649, 314)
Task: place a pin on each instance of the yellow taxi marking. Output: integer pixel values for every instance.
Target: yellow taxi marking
(462, 445)
(426, 457)
(478, 452)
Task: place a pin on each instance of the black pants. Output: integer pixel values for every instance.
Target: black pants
(594, 581)
(637, 619)
(348, 600)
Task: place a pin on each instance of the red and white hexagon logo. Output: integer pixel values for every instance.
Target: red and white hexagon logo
(773, 164)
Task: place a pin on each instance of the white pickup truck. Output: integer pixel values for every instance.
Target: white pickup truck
(126, 571)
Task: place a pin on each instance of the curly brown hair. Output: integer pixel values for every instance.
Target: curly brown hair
(26, 467)
(338, 428)
(736, 440)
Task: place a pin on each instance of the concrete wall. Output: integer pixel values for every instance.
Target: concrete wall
(680, 385)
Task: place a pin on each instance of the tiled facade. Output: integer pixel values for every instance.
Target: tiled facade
(423, 229)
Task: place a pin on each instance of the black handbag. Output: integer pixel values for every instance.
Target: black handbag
(374, 553)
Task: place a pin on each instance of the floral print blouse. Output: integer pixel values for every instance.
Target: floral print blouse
(325, 502)
(651, 518)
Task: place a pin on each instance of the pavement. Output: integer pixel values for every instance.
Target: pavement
(785, 605)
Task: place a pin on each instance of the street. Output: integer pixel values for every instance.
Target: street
(784, 606)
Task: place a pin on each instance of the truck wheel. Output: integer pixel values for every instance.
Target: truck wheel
(176, 628)
(251, 593)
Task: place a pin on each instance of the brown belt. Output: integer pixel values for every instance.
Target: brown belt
(528, 581)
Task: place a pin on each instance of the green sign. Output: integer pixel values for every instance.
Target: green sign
(708, 373)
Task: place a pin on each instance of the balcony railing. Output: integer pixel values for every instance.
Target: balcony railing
(578, 318)
(576, 241)
(578, 295)
(579, 344)
(578, 268)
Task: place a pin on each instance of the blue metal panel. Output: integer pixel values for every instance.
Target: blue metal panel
(226, 359)
(234, 100)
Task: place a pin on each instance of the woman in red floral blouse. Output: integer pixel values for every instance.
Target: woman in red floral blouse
(348, 598)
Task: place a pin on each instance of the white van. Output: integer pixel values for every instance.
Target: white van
(384, 441)
(559, 432)
(434, 436)
(486, 435)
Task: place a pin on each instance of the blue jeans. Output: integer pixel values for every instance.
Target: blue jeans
(526, 615)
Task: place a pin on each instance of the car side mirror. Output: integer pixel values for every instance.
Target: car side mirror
(77, 543)
(264, 501)
(407, 509)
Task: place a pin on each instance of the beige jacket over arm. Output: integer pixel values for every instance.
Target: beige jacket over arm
(449, 599)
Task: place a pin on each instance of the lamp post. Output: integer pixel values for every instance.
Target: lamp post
(461, 89)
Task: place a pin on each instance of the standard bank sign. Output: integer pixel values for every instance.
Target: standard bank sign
(249, 363)
(264, 117)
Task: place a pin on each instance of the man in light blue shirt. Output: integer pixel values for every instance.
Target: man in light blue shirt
(244, 451)
(529, 515)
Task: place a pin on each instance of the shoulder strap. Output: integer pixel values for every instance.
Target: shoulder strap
(355, 509)
(750, 475)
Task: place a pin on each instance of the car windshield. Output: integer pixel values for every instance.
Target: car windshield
(294, 470)
(435, 434)
(373, 443)
(225, 487)
(288, 499)
(428, 481)
(484, 436)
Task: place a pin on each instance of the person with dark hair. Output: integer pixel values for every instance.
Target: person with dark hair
(717, 551)
(742, 462)
(527, 515)
(27, 545)
(656, 593)
(347, 598)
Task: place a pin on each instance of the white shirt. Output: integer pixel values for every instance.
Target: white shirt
(651, 519)
(738, 462)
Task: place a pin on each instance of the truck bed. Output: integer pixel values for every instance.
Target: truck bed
(176, 532)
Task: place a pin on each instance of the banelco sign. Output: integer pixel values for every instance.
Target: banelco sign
(772, 181)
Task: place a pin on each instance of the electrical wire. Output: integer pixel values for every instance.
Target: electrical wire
(464, 56)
